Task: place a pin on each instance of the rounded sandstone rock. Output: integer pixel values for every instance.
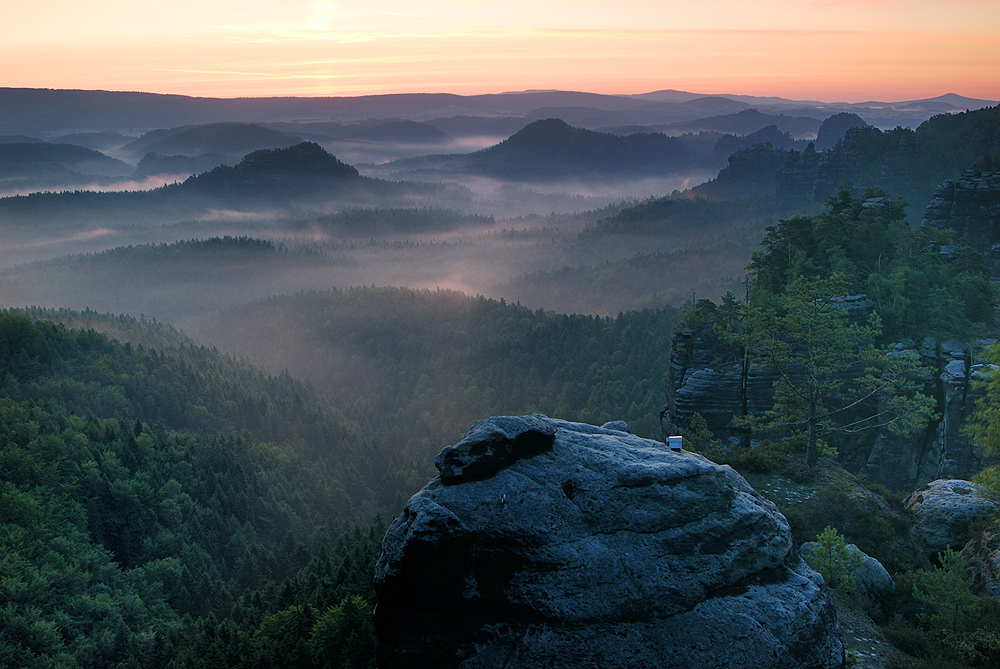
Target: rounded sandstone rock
(944, 510)
(602, 549)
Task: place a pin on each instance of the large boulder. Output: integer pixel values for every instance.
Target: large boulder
(584, 546)
(944, 510)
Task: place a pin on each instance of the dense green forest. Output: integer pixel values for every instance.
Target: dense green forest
(915, 283)
(169, 503)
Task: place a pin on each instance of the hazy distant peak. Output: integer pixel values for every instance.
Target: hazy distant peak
(544, 126)
(960, 101)
(305, 158)
(297, 167)
(835, 127)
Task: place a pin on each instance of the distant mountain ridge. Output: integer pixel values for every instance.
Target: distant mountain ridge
(28, 111)
(747, 121)
(908, 163)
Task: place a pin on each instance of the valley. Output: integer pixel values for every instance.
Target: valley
(237, 332)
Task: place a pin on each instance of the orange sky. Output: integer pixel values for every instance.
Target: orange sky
(850, 50)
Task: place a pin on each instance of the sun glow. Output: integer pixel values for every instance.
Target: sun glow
(822, 49)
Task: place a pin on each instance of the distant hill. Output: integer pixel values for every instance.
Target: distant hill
(99, 141)
(479, 126)
(19, 139)
(24, 110)
(33, 111)
(396, 131)
(298, 168)
(153, 163)
(770, 135)
(39, 158)
(551, 149)
(214, 138)
(747, 121)
(944, 104)
(300, 176)
(714, 104)
(835, 128)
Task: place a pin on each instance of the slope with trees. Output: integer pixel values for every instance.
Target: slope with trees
(806, 330)
(162, 505)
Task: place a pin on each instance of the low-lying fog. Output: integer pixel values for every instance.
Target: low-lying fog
(530, 251)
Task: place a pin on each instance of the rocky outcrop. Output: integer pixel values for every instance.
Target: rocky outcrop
(715, 380)
(580, 546)
(970, 206)
(943, 450)
(707, 378)
(944, 510)
(833, 129)
(982, 557)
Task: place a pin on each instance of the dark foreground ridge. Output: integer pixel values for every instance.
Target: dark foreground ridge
(584, 546)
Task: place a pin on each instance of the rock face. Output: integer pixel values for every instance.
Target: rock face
(970, 206)
(943, 450)
(944, 510)
(581, 546)
(982, 557)
(707, 378)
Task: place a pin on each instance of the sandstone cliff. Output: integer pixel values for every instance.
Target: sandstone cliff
(706, 379)
(970, 206)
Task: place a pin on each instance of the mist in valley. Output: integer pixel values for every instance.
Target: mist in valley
(236, 333)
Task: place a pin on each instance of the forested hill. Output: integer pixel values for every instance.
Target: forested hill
(175, 384)
(303, 174)
(163, 505)
(910, 163)
(215, 138)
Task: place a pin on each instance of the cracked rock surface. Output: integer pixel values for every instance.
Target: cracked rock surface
(584, 546)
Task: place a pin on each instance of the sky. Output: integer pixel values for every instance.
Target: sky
(830, 50)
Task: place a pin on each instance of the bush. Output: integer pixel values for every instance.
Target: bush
(835, 560)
